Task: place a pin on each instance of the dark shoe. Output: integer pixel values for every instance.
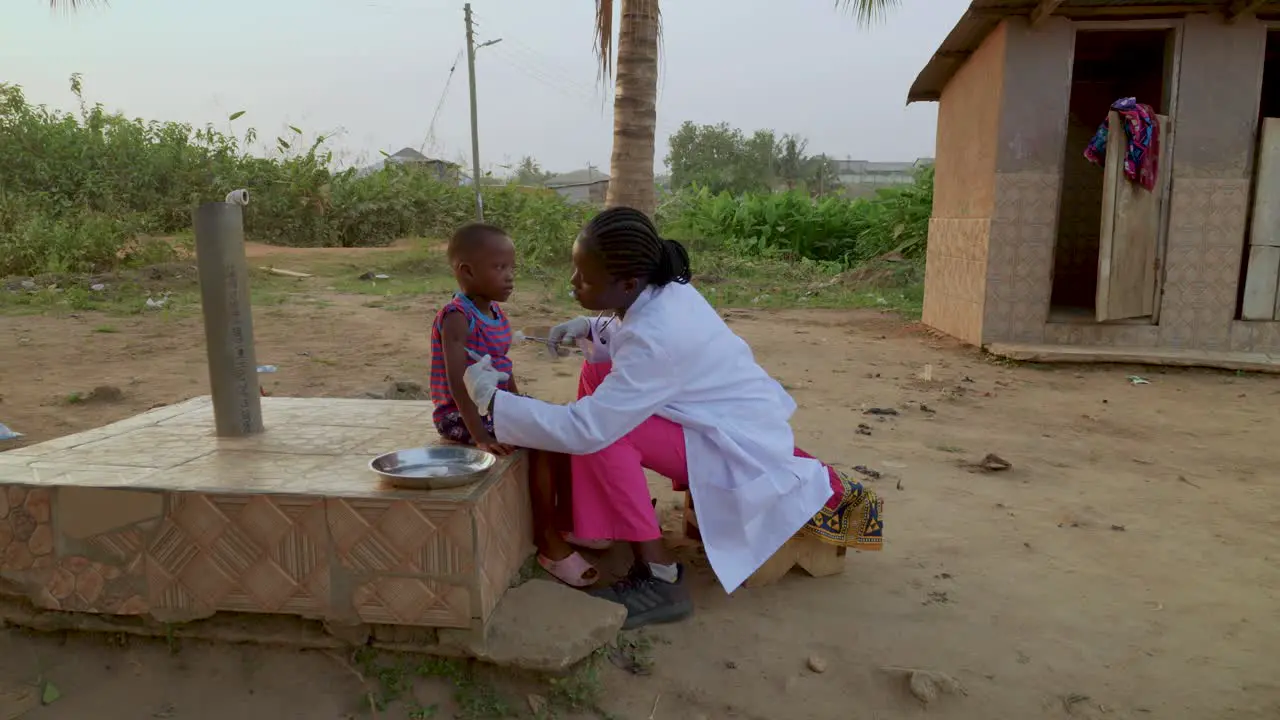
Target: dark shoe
(648, 600)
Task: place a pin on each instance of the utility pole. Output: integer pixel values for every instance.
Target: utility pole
(475, 130)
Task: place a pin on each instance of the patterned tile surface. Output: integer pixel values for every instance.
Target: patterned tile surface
(251, 553)
(964, 197)
(163, 518)
(1262, 337)
(147, 447)
(31, 470)
(954, 276)
(504, 535)
(146, 419)
(1019, 268)
(401, 536)
(1118, 335)
(282, 412)
(1202, 264)
(395, 600)
(967, 140)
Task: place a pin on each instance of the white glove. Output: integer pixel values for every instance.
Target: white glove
(568, 333)
(482, 381)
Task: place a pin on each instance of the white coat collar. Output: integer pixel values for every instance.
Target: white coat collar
(646, 295)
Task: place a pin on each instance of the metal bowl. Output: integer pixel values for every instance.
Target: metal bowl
(434, 467)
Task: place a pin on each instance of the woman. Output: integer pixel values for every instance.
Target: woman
(668, 386)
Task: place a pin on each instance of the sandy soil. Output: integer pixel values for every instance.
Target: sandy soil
(1127, 566)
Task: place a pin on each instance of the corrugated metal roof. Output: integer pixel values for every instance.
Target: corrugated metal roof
(588, 176)
(984, 15)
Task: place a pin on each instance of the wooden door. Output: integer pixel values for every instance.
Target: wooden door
(1261, 299)
(1131, 232)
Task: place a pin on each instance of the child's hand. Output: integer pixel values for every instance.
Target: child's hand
(489, 444)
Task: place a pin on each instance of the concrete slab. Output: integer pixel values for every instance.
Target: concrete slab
(155, 516)
(542, 626)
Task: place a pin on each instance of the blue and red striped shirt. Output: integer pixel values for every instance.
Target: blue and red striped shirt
(486, 335)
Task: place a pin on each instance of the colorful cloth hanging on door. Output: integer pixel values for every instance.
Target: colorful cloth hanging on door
(1141, 164)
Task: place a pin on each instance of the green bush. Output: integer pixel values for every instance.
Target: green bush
(792, 225)
(78, 190)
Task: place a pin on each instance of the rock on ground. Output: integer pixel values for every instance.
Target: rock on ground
(541, 626)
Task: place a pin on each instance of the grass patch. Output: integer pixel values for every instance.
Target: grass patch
(169, 290)
(393, 280)
(727, 281)
(478, 692)
(393, 677)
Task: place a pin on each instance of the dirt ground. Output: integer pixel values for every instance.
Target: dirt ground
(1127, 566)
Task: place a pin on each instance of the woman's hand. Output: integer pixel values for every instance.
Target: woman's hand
(489, 444)
(482, 381)
(568, 333)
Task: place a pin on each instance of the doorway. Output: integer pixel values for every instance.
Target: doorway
(1108, 65)
(1271, 77)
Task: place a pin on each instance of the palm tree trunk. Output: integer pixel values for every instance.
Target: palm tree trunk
(635, 108)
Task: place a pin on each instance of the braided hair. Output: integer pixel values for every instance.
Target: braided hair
(630, 246)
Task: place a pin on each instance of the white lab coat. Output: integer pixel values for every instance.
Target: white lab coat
(674, 357)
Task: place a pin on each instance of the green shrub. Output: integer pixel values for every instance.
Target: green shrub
(792, 225)
(77, 190)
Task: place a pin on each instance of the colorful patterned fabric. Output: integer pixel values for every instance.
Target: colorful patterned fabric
(451, 427)
(487, 335)
(1141, 164)
(853, 517)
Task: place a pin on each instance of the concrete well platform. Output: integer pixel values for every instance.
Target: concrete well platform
(155, 516)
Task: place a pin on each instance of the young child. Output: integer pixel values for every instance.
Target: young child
(471, 325)
(483, 260)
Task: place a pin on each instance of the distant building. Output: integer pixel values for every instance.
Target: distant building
(865, 176)
(444, 170)
(584, 186)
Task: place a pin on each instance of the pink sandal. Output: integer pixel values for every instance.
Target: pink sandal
(573, 570)
(576, 541)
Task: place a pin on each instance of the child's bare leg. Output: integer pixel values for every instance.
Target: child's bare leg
(562, 476)
(545, 473)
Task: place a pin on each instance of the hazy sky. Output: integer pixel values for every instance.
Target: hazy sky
(374, 71)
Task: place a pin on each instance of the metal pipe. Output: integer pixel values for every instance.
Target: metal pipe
(228, 319)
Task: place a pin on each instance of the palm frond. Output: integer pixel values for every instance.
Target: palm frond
(604, 34)
(604, 38)
(73, 5)
(868, 11)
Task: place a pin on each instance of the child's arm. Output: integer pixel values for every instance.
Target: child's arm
(453, 338)
(511, 385)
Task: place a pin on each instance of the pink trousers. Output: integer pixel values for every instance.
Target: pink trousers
(611, 499)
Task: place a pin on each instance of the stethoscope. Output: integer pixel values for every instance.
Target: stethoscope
(605, 324)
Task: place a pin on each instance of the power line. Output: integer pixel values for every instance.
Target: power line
(532, 64)
(572, 92)
(550, 66)
(547, 65)
(431, 129)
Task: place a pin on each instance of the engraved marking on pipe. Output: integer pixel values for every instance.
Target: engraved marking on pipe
(241, 366)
